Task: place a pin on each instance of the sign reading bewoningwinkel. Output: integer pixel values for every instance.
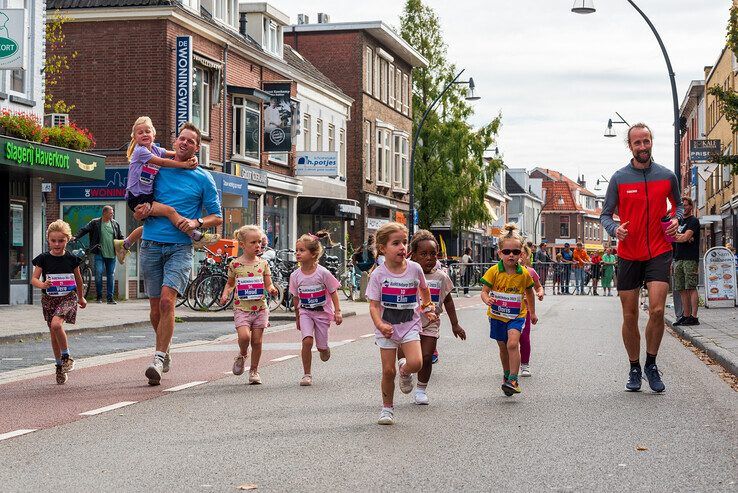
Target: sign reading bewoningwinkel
(183, 78)
(12, 39)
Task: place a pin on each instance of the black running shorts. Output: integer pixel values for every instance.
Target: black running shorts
(634, 274)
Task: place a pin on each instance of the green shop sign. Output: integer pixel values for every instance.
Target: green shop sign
(40, 159)
(8, 47)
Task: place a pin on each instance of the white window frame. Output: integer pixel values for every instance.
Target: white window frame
(369, 70)
(376, 75)
(367, 150)
(391, 82)
(565, 220)
(342, 151)
(27, 92)
(383, 66)
(272, 37)
(205, 101)
(331, 137)
(396, 163)
(306, 132)
(384, 155)
(405, 94)
(254, 109)
(398, 89)
(405, 157)
(318, 134)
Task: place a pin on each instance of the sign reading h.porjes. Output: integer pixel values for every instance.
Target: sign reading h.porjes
(317, 163)
(183, 86)
(12, 39)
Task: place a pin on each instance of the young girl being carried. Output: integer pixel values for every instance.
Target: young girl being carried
(315, 298)
(508, 291)
(145, 160)
(424, 251)
(525, 336)
(252, 278)
(62, 291)
(393, 293)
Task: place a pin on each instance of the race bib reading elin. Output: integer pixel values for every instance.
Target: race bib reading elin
(61, 284)
(435, 290)
(400, 294)
(250, 288)
(505, 305)
(148, 173)
(312, 296)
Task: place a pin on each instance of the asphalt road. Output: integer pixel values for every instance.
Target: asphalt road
(573, 428)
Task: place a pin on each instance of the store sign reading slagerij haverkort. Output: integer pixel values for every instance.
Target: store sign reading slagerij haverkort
(36, 157)
(12, 39)
(317, 164)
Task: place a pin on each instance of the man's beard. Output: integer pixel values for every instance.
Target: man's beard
(643, 160)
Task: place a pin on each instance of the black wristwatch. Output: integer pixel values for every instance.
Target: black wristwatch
(199, 220)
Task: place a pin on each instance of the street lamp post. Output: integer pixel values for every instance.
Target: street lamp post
(471, 97)
(609, 132)
(587, 7)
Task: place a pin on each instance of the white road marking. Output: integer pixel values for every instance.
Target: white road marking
(285, 358)
(15, 359)
(185, 386)
(107, 408)
(49, 359)
(15, 433)
(104, 337)
(367, 335)
(137, 337)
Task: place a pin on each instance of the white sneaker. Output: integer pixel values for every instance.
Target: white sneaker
(406, 382)
(167, 362)
(467, 296)
(386, 417)
(524, 370)
(154, 371)
(421, 398)
(254, 377)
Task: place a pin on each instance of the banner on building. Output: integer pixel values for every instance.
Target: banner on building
(13, 39)
(317, 164)
(183, 86)
(720, 282)
(700, 150)
(281, 117)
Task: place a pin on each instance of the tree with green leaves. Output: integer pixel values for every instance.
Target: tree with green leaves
(451, 175)
(56, 62)
(727, 97)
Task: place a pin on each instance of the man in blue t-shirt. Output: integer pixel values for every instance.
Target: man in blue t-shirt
(166, 249)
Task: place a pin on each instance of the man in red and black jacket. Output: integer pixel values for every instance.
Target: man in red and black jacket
(639, 193)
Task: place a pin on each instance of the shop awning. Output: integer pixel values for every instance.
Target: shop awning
(232, 190)
(594, 246)
(345, 208)
(249, 92)
(56, 163)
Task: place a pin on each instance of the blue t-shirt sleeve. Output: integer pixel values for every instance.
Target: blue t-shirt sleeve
(210, 200)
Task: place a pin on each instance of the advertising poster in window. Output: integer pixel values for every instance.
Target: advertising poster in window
(720, 285)
(281, 118)
(16, 220)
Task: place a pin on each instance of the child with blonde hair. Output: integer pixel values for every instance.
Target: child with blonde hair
(393, 291)
(315, 298)
(145, 160)
(525, 260)
(508, 292)
(251, 277)
(61, 291)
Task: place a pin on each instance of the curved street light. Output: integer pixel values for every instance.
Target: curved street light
(587, 7)
(609, 132)
(469, 97)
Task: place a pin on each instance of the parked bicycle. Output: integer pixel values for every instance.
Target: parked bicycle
(78, 249)
(204, 290)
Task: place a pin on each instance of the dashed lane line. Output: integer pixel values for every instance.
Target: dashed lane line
(16, 433)
(185, 386)
(367, 335)
(107, 408)
(284, 358)
(12, 359)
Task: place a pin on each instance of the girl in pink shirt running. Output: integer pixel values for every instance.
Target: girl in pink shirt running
(525, 335)
(393, 293)
(315, 298)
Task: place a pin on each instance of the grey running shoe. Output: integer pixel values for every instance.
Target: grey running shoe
(154, 371)
(238, 365)
(386, 417)
(654, 378)
(634, 380)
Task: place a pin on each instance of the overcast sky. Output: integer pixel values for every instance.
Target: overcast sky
(557, 76)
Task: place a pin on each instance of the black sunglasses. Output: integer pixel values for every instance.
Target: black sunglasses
(507, 251)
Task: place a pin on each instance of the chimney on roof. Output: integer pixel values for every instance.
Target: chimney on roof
(303, 19)
(323, 18)
(581, 182)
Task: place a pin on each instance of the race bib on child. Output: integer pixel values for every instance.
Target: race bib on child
(312, 296)
(435, 290)
(400, 294)
(61, 284)
(250, 288)
(505, 305)
(148, 173)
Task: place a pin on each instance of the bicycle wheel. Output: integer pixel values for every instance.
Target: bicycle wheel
(347, 285)
(209, 291)
(182, 298)
(274, 302)
(87, 279)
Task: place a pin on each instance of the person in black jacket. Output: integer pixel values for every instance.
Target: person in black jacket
(103, 232)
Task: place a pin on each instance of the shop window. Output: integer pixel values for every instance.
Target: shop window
(19, 260)
(277, 220)
(564, 227)
(246, 128)
(201, 100)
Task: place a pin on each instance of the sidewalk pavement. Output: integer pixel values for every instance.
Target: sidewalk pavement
(717, 334)
(23, 322)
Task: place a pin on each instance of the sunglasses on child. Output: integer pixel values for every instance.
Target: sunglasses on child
(508, 251)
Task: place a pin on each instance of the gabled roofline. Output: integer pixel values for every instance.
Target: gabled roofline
(377, 29)
(694, 91)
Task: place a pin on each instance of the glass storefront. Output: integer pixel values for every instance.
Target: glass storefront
(18, 241)
(277, 220)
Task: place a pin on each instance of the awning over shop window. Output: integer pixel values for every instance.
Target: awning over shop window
(232, 190)
(249, 92)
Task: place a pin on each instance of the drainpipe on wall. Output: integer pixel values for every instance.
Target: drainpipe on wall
(225, 109)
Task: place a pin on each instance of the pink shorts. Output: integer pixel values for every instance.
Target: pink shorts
(315, 327)
(431, 330)
(252, 320)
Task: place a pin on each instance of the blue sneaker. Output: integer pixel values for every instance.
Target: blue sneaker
(634, 380)
(434, 357)
(654, 378)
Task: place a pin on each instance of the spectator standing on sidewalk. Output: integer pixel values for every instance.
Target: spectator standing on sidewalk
(608, 271)
(541, 263)
(466, 270)
(686, 262)
(567, 258)
(103, 230)
(580, 257)
(596, 271)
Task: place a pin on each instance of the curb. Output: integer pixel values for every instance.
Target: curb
(4, 339)
(724, 358)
